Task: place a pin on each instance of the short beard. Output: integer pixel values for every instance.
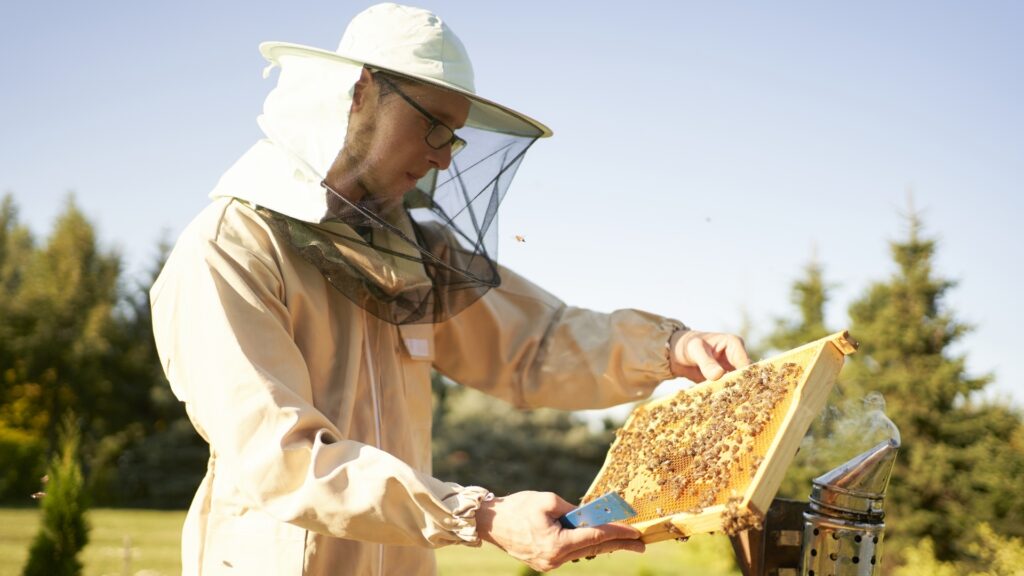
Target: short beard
(349, 187)
(348, 176)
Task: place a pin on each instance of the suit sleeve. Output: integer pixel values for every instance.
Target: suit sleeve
(524, 345)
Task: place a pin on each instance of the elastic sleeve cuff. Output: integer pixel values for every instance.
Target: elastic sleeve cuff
(464, 502)
(668, 328)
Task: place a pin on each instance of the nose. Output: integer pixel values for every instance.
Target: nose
(441, 157)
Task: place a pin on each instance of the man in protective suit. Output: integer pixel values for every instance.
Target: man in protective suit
(344, 256)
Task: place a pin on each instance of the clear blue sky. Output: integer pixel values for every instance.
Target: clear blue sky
(703, 151)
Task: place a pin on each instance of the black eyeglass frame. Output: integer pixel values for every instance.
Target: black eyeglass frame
(455, 142)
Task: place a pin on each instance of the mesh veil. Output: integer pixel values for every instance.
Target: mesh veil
(424, 258)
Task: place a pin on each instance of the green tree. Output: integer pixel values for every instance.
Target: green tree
(21, 452)
(809, 295)
(76, 335)
(16, 248)
(15, 245)
(65, 529)
(62, 310)
(484, 441)
(156, 459)
(992, 555)
(24, 461)
(956, 467)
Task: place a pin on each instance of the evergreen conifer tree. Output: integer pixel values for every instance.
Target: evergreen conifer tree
(809, 295)
(956, 467)
(65, 530)
(63, 309)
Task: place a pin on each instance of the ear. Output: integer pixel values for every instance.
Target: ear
(362, 89)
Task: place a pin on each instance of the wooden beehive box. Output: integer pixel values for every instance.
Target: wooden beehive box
(711, 458)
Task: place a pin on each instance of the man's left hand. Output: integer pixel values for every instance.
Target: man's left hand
(701, 356)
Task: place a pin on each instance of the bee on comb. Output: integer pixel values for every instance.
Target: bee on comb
(710, 458)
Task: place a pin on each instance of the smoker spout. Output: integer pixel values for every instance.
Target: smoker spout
(857, 487)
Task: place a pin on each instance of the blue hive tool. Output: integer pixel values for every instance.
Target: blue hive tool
(608, 508)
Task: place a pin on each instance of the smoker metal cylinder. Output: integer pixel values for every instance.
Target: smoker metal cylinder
(843, 527)
(836, 547)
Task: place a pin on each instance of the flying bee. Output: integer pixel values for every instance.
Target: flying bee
(520, 238)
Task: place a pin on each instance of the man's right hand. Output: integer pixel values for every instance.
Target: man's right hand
(525, 525)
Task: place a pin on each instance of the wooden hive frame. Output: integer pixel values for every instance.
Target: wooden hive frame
(746, 486)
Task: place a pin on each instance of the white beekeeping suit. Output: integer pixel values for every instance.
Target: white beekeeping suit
(302, 344)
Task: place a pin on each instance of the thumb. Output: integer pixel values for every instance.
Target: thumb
(560, 507)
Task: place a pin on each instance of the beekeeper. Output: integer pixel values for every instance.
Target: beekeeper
(345, 255)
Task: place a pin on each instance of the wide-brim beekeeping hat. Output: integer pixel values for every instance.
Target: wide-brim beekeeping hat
(420, 260)
(416, 44)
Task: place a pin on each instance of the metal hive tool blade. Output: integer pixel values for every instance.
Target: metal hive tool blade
(608, 508)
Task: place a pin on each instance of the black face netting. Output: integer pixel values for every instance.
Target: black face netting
(428, 257)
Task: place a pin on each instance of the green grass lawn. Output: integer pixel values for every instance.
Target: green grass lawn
(704, 555)
(146, 542)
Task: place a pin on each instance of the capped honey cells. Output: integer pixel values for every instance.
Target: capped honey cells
(701, 448)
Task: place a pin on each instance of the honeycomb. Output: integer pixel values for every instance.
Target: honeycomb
(703, 449)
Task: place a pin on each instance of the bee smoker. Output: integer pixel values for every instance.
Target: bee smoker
(843, 525)
(838, 533)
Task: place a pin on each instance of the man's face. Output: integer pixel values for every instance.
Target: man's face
(386, 148)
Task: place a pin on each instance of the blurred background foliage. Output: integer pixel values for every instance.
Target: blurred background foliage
(75, 336)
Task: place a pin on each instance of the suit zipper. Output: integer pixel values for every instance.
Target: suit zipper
(376, 413)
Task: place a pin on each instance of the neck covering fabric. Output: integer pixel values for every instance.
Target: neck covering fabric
(422, 261)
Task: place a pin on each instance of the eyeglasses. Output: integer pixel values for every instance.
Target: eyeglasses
(439, 134)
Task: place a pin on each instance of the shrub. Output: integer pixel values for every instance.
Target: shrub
(64, 530)
(23, 465)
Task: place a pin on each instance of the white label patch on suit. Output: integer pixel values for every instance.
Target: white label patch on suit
(417, 347)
